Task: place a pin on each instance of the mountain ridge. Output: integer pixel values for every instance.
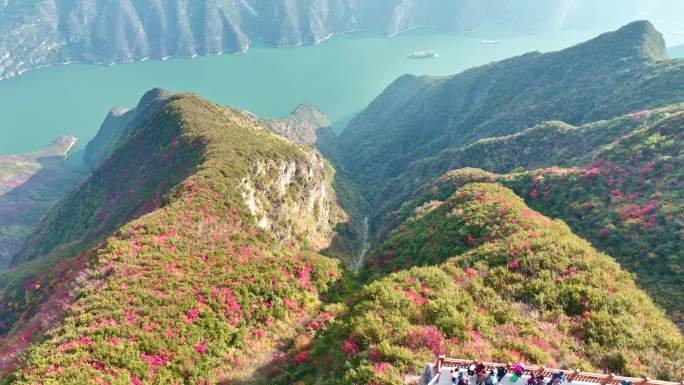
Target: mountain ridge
(589, 176)
(236, 208)
(435, 113)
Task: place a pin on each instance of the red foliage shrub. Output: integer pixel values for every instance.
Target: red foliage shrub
(647, 168)
(301, 357)
(415, 297)
(350, 346)
(155, 360)
(380, 368)
(259, 333)
(375, 355)
(513, 264)
(201, 348)
(592, 172)
(470, 239)
(426, 337)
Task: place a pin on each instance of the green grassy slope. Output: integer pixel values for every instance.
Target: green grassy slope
(611, 75)
(219, 268)
(552, 143)
(625, 196)
(120, 124)
(493, 280)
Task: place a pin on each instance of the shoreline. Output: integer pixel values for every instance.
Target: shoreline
(240, 51)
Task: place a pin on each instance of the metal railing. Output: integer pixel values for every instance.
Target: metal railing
(570, 375)
(434, 380)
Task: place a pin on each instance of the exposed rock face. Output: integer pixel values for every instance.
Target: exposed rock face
(298, 192)
(292, 198)
(37, 33)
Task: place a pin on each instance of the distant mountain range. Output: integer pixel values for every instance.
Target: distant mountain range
(36, 33)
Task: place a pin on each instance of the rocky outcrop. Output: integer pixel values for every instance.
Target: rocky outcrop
(294, 199)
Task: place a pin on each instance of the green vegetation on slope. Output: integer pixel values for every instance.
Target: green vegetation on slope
(135, 180)
(203, 286)
(624, 196)
(29, 184)
(193, 252)
(548, 144)
(611, 75)
(496, 281)
(120, 124)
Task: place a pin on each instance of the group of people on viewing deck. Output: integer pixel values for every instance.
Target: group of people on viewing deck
(478, 372)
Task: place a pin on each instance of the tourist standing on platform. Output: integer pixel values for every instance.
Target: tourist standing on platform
(490, 378)
(500, 373)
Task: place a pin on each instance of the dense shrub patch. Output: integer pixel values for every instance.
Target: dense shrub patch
(492, 279)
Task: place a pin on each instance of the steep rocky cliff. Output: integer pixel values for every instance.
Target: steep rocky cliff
(127, 184)
(35, 33)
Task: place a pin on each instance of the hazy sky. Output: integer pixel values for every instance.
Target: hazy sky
(548, 15)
